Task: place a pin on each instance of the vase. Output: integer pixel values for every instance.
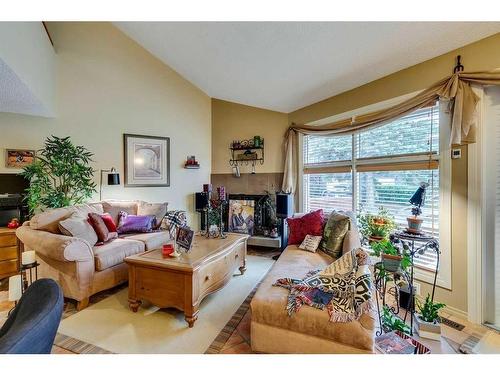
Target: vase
(414, 224)
(391, 262)
(428, 330)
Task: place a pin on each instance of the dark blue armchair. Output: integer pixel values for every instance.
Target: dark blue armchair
(32, 326)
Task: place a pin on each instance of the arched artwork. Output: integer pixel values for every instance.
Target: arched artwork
(147, 160)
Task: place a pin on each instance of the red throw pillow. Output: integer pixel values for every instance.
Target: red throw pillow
(300, 227)
(110, 223)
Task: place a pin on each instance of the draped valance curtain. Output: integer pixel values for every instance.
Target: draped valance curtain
(456, 88)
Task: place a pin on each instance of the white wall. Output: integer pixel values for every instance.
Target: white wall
(108, 85)
(26, 49)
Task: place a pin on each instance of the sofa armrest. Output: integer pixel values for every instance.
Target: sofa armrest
(351, 241)
(55, 246)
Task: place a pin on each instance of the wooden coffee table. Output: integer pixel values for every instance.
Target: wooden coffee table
(184, 281)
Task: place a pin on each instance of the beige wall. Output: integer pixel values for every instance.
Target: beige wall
(108, 85)
(232, 121)
(481, 55)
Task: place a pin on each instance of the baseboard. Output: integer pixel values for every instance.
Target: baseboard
(456, 312)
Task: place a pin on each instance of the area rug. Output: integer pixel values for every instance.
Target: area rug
(111, 326)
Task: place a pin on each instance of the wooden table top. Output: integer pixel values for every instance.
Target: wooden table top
(202, 250)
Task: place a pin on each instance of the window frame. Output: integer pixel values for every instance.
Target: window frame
(443, 158)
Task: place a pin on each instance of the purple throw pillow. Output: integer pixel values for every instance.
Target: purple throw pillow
(135, 223)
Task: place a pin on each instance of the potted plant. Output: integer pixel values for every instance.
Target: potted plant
(376, 227)
(417, 201)
(392, 258)
(60, 175)
(427, 321)
(391, 322)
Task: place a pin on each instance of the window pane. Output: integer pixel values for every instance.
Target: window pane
(328, 191)
(393, 190)
(321, 149)
(407, 135)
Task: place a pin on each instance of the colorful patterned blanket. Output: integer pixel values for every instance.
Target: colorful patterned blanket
(344, 288)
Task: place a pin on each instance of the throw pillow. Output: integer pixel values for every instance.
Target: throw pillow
(300, 227)
(78, 226)
(110, 223)
(310, 243)
(333, 235)
(100, 228)
(135, 223)
(159, 210)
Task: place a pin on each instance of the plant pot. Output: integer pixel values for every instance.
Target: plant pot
(414, 224)
(427, 330)
(375, 238)
(391, 262)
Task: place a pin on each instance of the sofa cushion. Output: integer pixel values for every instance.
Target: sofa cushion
(268, 304)
(159, 210)
(48, 220)
(114, 207)
(333, 235)
(112, 253)
(79, 227)
(300, 227)
(153, 240)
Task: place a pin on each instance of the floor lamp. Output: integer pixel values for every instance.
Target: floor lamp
(113, 179)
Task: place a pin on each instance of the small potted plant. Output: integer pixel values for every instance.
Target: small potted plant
(376, 227)
(417, 201)
(391, 322)
(427, 321)
(392, 258)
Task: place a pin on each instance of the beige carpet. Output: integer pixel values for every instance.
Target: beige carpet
(110, 324)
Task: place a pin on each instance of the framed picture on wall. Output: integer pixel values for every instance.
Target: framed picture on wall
(147, 160)
(19, 158)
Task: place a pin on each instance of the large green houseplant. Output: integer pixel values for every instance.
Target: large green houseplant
(60, 175)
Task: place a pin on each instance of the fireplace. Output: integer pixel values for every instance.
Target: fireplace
(264, 216)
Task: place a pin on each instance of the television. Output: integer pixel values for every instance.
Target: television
(12, 190)
(11, 183)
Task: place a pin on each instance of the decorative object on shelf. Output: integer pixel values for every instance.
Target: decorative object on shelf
(184, 238)
(417, 200)
(19, 158)
(191, 163)
(376, 227)
(253, 151)
(207, 188)
(241, 216)
(14, 223)
(113, 179)
(427, 321)
(414, 246)
(60, 176)
(147, 160)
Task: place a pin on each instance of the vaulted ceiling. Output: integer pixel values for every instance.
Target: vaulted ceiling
(284, 66)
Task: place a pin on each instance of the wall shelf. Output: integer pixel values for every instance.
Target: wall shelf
(245, 152)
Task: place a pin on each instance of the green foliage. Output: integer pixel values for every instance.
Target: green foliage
(387, 247)
(391, 322)
(376, 225)
(60, 175)
(429, 311)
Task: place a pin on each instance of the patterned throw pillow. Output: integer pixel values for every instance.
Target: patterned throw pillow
(333, 235)
(300, 227)
(310, 243)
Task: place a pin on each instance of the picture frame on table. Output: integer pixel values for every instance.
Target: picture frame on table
(147, 160)
(184, 238)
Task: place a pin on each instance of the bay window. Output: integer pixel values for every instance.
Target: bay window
(381, 167)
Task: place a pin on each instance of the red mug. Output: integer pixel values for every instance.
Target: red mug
(167, 249)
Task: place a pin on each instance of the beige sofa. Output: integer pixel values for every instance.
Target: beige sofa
(81, 269)
(309, 330)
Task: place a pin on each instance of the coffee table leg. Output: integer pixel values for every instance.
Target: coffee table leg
(191, 319)
(243, 268)
(134, 304)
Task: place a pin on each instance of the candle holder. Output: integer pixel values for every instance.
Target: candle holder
(221, 226)
(29, 269)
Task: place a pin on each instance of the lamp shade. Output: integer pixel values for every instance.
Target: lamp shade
(15, 288)
(114, 178)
